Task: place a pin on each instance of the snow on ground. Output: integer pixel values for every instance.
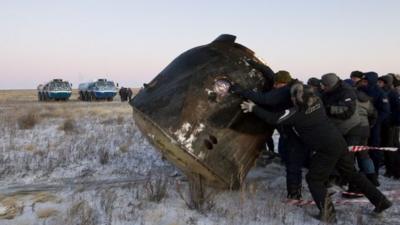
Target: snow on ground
(101, 170)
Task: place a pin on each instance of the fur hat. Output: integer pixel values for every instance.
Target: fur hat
(303, 96)
(282, 76)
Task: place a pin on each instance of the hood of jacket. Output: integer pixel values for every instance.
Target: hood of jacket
(371, 77)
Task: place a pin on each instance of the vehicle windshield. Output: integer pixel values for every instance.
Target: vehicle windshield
(60, 86)
(105, 85)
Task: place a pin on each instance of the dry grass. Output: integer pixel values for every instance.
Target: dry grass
(156, 189)
(197, 196)
(30, 148)
(43, 197)
(120, 120)
(81, 213)
(54, 110)
(103, 156)
(30, 95)
(46, 213)
(68, 126)
(12, 208)
(18, 95)
(124, 148)
(28, 120)
(21, 109)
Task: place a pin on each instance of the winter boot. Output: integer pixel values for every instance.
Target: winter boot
(352, 192)
(373, 177)
(327, 213)
(382, 206)
(294, 192)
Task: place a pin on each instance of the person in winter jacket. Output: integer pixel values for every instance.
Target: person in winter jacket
(315, 83)
(396, 81)
(291, 149)
(386, 84)
(390, 127)
(356, 76)
(380, 101)
(308, 118)
(368, 115)
(340, 101)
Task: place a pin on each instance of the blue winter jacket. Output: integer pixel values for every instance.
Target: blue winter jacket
(394, 101)
(379, 97)
(381, 103)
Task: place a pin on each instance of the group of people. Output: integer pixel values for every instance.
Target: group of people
(319, 121)
(125, 94)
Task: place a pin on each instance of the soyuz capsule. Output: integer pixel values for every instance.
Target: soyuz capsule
(188, 113)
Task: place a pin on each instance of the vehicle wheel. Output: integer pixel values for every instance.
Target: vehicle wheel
(110, 99)
(88, 97)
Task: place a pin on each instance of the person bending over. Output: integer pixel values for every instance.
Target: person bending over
(313, 127)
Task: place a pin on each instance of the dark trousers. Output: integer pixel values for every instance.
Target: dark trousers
(282, 147)
(270, 144)
(375, 140)
(296, 156)
(390, 138)
(324, 162)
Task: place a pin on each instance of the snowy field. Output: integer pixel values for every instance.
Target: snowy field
(87, 163)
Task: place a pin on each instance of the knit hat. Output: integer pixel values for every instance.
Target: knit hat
(313, 81)
(329, 80)
(357, 73)
(396, 79)
(282, 76)
(387, 79)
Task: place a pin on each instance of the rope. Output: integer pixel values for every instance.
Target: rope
(364, 148)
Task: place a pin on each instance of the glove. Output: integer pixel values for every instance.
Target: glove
(247, 106)
(235, 89)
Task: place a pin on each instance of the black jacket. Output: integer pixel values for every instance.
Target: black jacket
(341, 106)
(276, 99)
(312, 126)
(394, 101)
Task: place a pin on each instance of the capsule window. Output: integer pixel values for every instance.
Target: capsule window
(208, 144)
(221, 86)
(213, 139)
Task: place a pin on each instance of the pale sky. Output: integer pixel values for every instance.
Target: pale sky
(130, 42)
